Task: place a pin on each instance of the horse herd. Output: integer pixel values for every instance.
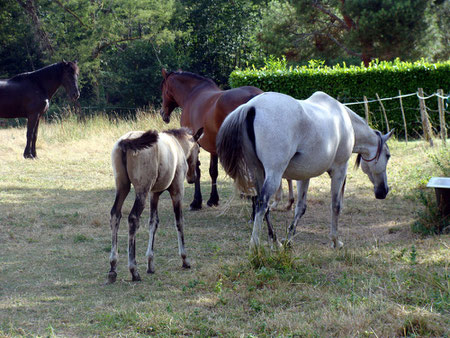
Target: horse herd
(259, 138)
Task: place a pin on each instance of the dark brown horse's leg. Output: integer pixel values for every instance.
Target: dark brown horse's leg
(197, 202)
(33, 141)
(32, 124)
(133, 226)
(213, 172)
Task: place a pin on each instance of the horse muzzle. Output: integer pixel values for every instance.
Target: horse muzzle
(165, 117)
(381, 193)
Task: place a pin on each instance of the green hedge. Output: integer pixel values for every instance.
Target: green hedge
(351, 83)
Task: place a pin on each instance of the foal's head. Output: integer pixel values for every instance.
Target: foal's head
(69, 80)
(375, 167)
(190, 147)
(192, 157)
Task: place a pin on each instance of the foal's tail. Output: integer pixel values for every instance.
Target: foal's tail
(146, 140)
(235, 145)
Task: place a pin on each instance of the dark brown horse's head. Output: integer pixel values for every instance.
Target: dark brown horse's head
(168, 103)
(70, 73)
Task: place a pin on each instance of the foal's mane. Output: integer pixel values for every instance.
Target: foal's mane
(178, 133)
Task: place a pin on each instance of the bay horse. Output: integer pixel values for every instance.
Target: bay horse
(153, 162)
(205, 105)
(28, 95)
(274, 136)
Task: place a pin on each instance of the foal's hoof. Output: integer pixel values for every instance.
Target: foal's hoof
(337, 244)
(112, 276)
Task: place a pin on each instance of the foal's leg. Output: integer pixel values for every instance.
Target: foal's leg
(302, 189)
(213, 172)
(338, 179)
(197, 202)
(122, 191)
(176, 193)
(133, 226)
(152, 227)
(32, 125)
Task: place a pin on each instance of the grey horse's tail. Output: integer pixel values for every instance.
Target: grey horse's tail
(235, 145)
(146, 140)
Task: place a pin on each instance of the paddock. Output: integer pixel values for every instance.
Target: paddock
(55, 244)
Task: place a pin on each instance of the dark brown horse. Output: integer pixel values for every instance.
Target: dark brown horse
(28, 95)
(205, 105)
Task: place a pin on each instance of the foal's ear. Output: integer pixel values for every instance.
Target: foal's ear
(198, 135)
(164, 73)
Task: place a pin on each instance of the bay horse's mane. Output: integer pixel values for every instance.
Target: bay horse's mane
(189, 74)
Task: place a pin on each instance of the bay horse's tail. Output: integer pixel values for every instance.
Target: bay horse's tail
(236, 148)
(146, 140)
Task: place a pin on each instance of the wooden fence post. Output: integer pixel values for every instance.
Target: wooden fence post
(427, 132)
(403, 115)
(384, 112)
(442, 116)
(366, 109)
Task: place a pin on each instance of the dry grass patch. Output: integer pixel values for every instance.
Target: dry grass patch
(55, 242)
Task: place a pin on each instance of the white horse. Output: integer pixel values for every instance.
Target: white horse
(274, 136)
(154, 162)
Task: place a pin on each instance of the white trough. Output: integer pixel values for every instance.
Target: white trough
(441, 186)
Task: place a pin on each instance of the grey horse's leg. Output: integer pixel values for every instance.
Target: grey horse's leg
(213, 172)
(338, 179)
(152, 227)
(116, 214)
(133, 226)
(300, 208)
(176, 193)
(270, 186)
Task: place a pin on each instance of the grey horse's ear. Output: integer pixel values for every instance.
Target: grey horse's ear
(198, 135)
(387, 136)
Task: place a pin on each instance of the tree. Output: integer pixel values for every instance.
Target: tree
(219, 36)
(366, 29)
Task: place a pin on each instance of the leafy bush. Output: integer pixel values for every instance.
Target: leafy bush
(351, 83)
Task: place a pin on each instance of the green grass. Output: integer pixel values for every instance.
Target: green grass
(55, 242)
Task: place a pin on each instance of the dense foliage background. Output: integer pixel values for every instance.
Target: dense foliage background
(121, 46)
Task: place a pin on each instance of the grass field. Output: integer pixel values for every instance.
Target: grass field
(55, 242)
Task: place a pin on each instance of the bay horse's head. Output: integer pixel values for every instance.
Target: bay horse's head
(375, 167)
(168, 101)
(192, 157)
(69, 80)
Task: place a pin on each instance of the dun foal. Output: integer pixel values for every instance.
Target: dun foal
(154, 162)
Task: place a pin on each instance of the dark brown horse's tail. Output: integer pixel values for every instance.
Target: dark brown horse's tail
(235, 145)
(146, 140)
